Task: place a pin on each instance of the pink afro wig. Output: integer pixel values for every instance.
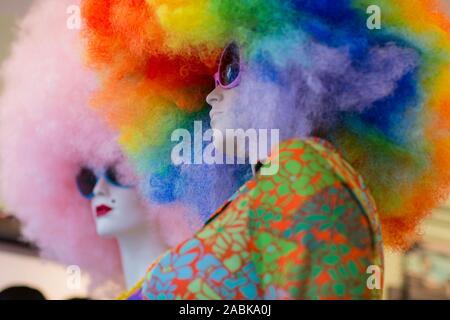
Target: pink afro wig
(47, 133)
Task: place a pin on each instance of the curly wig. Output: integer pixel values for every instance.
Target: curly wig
(380, 95)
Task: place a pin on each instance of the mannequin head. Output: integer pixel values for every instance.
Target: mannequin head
(116, 205)
(46, 99)
(276, 91)
(229, 116)
(117, 209)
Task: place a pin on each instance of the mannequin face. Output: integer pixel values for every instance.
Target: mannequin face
(240, 128)
(222, 114)
(239, 108)
(116, 210)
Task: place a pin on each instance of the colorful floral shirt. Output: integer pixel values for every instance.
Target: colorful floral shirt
(311, 231)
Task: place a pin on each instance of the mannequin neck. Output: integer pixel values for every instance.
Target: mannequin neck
(138, 248)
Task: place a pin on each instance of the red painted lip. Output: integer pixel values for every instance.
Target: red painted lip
(102, 210)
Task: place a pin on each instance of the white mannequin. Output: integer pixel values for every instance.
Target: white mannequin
(119, 213)
(227, 113)
(222, 103)
(223, 116)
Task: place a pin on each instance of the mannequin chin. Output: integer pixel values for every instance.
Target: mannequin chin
(117, 211)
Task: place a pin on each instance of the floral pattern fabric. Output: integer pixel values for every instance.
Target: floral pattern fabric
(310, 231)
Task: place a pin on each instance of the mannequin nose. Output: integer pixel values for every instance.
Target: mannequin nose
(101, 188)
(214, 96)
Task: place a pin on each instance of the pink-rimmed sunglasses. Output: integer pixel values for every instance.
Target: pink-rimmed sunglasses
(228, 75)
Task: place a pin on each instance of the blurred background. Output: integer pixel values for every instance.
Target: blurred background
(421, 273)
(20, 265)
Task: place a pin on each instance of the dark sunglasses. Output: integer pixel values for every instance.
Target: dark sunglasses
(229, 73)
(87, 179)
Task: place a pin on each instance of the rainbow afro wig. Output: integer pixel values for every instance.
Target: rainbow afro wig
(146, 94)
(380, 95)
(48, 132)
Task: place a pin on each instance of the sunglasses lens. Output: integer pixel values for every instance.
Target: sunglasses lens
(111, 176)
(86, 181)
(229, 65)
